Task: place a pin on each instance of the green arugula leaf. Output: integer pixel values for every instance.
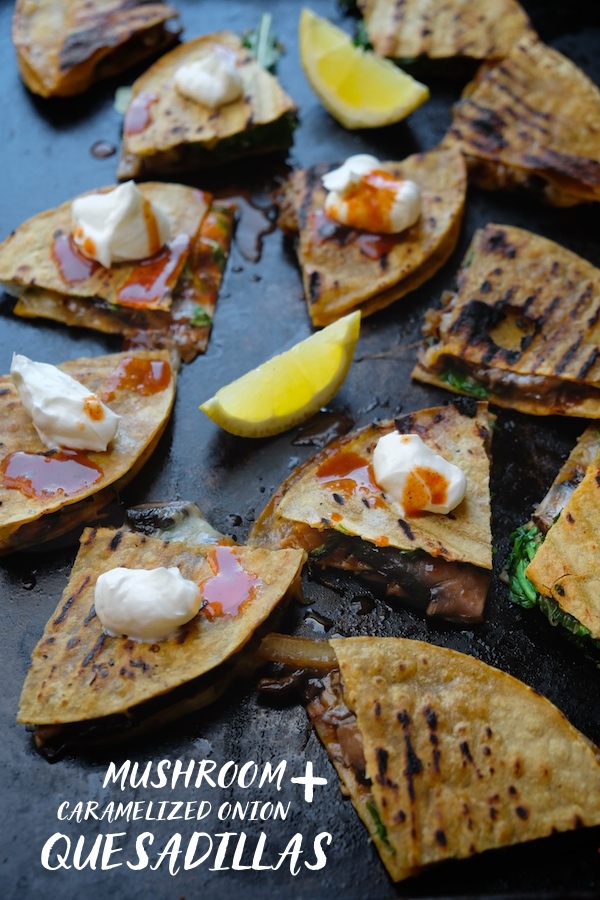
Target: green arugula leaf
(262, 43)
(464, 383)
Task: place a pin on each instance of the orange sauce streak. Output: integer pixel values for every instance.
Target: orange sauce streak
(156, 276)
(72, 265)
(351, 474)
(422, 487)
(39, 475)
(230, 587)
(92, 407)
(144, 376)
(370, 201)
(137, 116)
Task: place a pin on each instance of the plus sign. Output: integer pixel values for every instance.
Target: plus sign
(309, 781)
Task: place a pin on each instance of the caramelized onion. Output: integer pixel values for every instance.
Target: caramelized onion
(295, 651)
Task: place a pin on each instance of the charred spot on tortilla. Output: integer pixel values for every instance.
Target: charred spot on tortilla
(165, 301)
(554, 559)
(46, 493)
(437, 564)
(82, 687)
(530, 340)
(534, 98)
(63, 48)
(344, 268)
(166, 133)
(410, 727)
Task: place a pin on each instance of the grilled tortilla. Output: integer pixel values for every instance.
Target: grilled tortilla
(333, 508)
(554, 563)
(165, 301)
(531, 122)
(344, 269)
(65, 46)
(409, 29)
(521, 327)
(165, 133)
(84, 684)
(444, 756)
(46, 493)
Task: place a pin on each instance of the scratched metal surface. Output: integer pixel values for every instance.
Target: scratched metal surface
(47, 159)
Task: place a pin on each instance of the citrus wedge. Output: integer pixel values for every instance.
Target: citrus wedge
(358, 88)
(289, 388)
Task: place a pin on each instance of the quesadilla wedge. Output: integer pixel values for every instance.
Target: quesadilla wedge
(46, 493)
(555, 560)
(521, 327)
(65, 46)
(166, 133)
(410, 30)
(442, 755)
(332, 507)
(531, 122)
(167, 300)
(344, 269)
(86, 686)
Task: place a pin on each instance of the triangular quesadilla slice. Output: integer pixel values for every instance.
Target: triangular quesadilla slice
(86, 685)
(555, 560)
(442, 755)
(333, 508)
(440, 30)
(165, 132)
(65, 46)
(531, 122)
(167, 300)
(46, 493)
(520, 329)
(344, 269)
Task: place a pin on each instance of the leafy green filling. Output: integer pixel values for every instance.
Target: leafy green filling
(361, 38)
(526, 540)
(379, 826)
(262, 43)
(464, 383)
(201, 317)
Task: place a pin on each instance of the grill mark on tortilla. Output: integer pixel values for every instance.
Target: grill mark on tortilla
(488, 123)
(441, 838)
(405, 528)
(314, 282)
(589, 363)
(582, 301)
(95, 649)
(69, 603)
(518, 100)
(579, 168)
(90, 615)
(413, 764)
(567, 356)
(115, 541)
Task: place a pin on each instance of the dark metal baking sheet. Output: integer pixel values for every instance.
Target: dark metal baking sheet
(46, 159)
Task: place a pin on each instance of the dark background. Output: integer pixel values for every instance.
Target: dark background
(46, 148)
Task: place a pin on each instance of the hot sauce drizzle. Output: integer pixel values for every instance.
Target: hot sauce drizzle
(138, 115)
(72, 265)
(423, 486)
(39, 475)
(144, 376)
(351, 474)
(154, 277)
(230, 586)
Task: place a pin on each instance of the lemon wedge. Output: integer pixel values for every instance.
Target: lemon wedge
(358, 88)
(289, 388)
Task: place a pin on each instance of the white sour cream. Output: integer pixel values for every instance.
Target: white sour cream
(145, 604)
(212, 81)
(64, 412)
(118, 226)
(418, 479)
(362, 195)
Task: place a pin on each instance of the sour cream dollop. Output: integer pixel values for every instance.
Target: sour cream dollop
(212, 81)
(118, 226)
(363, 195)
(64, 412)
(418, 479)
(145, 604)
